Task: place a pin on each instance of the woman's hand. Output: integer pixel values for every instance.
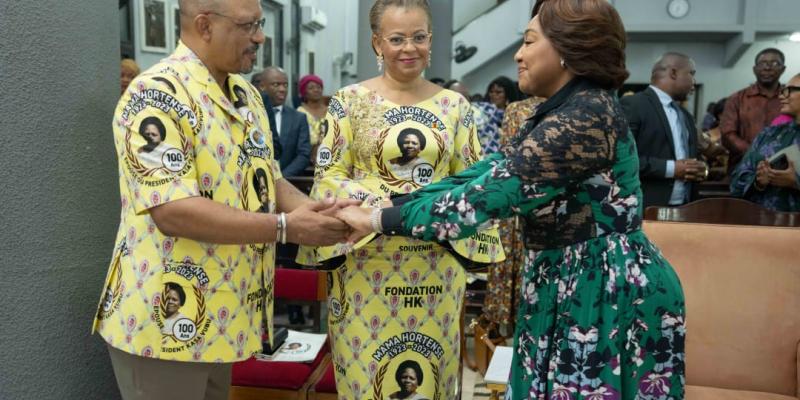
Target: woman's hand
(783, 178)
(762, 175)
(359, 220)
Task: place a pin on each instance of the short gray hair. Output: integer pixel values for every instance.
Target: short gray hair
(670, 59)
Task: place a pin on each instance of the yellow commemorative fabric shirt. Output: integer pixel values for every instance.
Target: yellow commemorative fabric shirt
(177, 136)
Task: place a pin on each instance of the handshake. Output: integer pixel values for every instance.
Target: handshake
(328, 222)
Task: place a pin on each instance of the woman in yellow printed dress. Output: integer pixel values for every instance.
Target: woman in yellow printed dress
(313, 105)
(396, 300)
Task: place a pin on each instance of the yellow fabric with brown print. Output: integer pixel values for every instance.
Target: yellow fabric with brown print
(395, 305)
(178, 135)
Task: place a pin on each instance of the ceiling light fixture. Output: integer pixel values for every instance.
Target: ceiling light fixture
(795, 37)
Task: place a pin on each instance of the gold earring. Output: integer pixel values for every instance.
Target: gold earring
(379, 57)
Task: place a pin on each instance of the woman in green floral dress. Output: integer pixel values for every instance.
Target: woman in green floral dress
(602, 312)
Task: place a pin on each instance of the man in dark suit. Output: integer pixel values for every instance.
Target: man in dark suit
(276, 142)
(665, 133)
(290, 124)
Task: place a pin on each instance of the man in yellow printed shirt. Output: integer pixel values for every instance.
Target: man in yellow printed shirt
(189, 288)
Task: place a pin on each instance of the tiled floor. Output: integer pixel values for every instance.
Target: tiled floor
(472, 387)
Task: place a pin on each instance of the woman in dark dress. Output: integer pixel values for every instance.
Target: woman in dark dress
(602, 312)
(774, 185)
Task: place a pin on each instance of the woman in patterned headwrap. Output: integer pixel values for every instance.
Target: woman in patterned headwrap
(313, 105)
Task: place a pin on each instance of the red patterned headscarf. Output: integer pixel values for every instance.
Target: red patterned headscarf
(304, 81)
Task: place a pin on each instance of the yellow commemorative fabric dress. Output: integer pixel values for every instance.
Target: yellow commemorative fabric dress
(395, 303)
(177, 135)
(315, 126)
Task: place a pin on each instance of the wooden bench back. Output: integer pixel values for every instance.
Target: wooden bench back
(723, 210)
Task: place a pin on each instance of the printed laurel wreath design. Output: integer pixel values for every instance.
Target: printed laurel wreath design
(473, 155)
(243, 193)
(344, 307)
(378, 386)
(201, 308)
(387, 175)
(198, 115)
(140, 169)
(436, 378)
(116, 296)
(341, 291)
(337, 134)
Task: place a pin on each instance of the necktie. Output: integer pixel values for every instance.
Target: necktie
(276, 110)
(681, 123)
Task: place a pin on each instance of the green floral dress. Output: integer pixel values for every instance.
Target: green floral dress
(602, 312)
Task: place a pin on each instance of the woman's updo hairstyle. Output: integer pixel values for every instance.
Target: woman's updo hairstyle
(380, 6)
(589, 36)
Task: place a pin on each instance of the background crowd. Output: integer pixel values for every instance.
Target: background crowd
(748, 143)
(710, 150)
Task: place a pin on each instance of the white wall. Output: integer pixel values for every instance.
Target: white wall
(329, 44)
(465, 11)
(341, 36)
(639, 13)
(717, 81)
(491, 34)
(503, 64)
(332, 43)
(146, 59)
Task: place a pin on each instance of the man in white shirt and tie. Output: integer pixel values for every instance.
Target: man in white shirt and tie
(290, 124)
(665, 133)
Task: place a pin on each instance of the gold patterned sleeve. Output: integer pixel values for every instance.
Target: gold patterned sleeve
(467, 147)
(334, 173)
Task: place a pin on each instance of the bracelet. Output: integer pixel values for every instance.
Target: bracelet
(375, 220)
(278, 228)
(284, 228)
(281, 228)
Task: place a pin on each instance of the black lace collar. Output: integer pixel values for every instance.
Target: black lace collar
(577, 84)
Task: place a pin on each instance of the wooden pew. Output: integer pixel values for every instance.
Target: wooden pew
(724, 210)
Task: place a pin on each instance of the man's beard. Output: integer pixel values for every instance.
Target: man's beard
(247, 70)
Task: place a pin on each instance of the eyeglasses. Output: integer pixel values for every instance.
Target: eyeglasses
(788, 90)
(418, 39)
(769, 64)
(249, 27)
